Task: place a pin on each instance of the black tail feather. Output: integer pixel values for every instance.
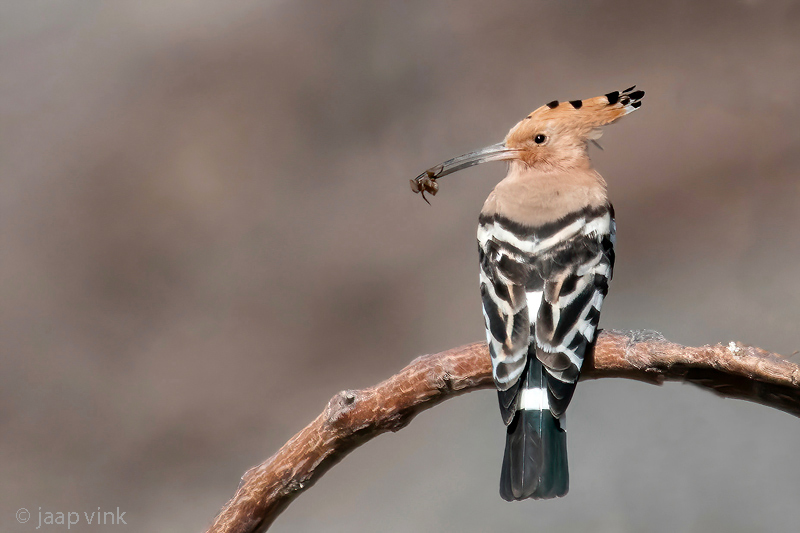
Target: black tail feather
(535, 460)
(559, 394)
(508, 400)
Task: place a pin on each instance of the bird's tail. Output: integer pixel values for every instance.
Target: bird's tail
(535, 461)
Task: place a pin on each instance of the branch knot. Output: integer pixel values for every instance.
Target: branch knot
(340, 406)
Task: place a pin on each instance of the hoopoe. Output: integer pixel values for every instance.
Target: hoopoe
(546, 242)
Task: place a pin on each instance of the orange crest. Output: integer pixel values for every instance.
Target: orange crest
(581, 118)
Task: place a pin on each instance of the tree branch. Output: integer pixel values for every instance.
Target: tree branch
(354, 417)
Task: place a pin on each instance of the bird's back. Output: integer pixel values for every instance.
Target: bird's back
(546, 247)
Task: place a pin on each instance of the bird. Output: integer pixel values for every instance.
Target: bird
(546, 237)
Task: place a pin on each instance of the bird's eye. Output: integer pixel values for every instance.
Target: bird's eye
(539, 139)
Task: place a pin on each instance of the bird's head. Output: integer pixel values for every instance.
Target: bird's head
(552, 137)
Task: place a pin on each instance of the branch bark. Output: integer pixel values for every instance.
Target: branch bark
(353, 417)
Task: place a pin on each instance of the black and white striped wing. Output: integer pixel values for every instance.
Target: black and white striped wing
(505, 312)
(511, 290)
(567, 318)
(542, 289)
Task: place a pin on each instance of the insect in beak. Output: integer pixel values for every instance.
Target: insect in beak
(426, 182)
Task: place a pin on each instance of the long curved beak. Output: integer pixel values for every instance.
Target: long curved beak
(426, 182)
(495, 152)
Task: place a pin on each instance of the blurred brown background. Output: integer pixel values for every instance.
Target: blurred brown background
(206, 231)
